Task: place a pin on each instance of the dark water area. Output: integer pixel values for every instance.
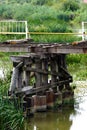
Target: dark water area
(70, 118)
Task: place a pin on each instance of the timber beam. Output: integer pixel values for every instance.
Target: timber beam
(39, 48)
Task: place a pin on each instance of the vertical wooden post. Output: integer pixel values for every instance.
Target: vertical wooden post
(14, 80)
(20, 78)
(45, 68)
(67, 86)
(26, 76)
(38, 76)
(53, 71)
(61, 63)
(50, 98)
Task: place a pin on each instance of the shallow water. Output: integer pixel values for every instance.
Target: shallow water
(65, 119)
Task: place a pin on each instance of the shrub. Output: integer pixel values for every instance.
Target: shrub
(70, 5)
(66, 16)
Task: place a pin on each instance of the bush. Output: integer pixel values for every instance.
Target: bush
(70, 5)
(66, 16)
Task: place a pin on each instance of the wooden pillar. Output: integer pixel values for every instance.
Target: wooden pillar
(16, 80)
(20, 78)
(26, 76)
(61, 63)
(45, 69)
(50, 99)
(67, 85)
(29, 105)
(39, 103)
(38, 76)
(53, 72)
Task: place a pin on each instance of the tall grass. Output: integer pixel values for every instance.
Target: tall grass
(11, 117)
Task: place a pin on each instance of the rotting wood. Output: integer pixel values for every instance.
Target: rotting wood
(39, 48)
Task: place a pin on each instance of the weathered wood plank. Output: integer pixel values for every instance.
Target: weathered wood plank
(39, 48)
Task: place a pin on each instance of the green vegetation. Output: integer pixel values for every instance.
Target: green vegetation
(11, 117)
(45, 16)
(77, 66)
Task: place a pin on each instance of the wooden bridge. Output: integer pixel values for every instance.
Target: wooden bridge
(45, 64)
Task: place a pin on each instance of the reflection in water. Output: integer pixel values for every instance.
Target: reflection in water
(80, 119)
(52, 121)
(67, 119)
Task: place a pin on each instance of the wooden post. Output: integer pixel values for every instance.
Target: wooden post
(61, 63)
(15, 80)
(50, 99)
(38, 76)
(20, 78)
(53, 71)
(39, 103)
(26, 76)
(67, 86)
(45, 68)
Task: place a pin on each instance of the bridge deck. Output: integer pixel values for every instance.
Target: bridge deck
(32, 47)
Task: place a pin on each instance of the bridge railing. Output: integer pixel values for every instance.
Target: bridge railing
(21, 27)
(14, 27)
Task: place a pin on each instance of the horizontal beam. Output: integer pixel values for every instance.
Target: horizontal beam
(41, 88)
(53, 33)
(13, 33)
(42, 71)
(31, 47)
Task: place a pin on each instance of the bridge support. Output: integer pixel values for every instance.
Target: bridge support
(51, 81)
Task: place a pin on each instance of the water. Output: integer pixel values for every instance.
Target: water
(65, 119)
